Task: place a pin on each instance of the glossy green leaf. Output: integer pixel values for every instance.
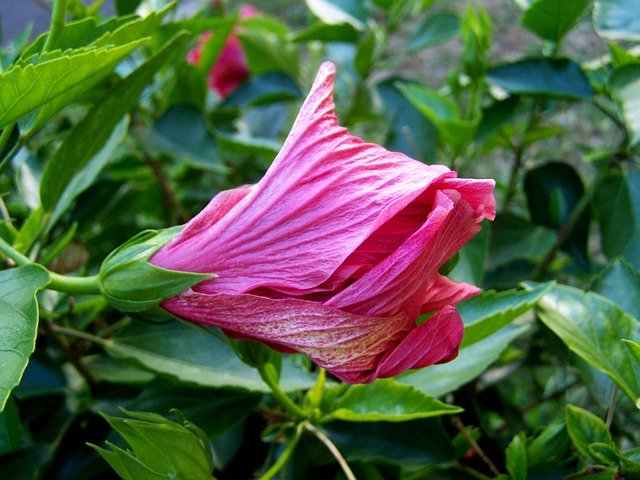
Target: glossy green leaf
(87, 148)
(185, 353)
(124, 7)
(24, 88)
(617, 19)
(264, 89)
(390, 401)
(514, 238)
(413, 443)
(353, 12)
(490, 311)
(182, 132)
(553, 19)
(454, 131)
(516, 461)
(268, 52)
(585, 429)
(410, 131)
(617, 206)
(624, 86)
(560, 78)
(593, 328)
(10, 428)
(634, 347)
(19, 314)
(620, 283)
(553, 190)
(471, 259)
(549, 447)
(344, 32)
(433, 30)
(167, 449)
(438, 380)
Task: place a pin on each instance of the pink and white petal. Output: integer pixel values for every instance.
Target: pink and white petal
(442, 291)
(324, 195)
(179, 246)
(435, 341)
(347, 345)
(400, 281)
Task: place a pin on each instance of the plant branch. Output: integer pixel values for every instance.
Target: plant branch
(473, 444)
(171, 205)
(612, 407)
(57, 23)
(277, 392)
(333, 449)
(286, 454)
(61, 283)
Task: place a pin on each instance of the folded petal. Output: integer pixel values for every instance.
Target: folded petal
(400, 282)
(347, 345)
(435, 341)
(441, 291)
(324, 195)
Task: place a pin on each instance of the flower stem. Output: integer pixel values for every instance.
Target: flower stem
(333, 449)
(61, 283)
(57, 23)
(268, 376)
(286, 454)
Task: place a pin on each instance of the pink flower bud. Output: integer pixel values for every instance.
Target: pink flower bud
(335, 252)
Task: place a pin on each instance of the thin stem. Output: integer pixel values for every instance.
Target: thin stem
(333, 449)
(5, 213)
(286, 454)
(57, 23)
(70, 332)
(171, 205)
(282, 397)
(6, 135)
(75, 285)
(473, 444)
(13, 254)
(61, 283)
(612, 407)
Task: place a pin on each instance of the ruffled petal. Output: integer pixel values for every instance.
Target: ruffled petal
(400, 281)
(324, 195)
(349, 346)
(435, 341)
(441, 291)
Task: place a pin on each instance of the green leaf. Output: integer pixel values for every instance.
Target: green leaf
(470, 264)
(85, 151)
(514, 238)
(414, 443)
(10, 428)
(19, 314)
(585, 429)
(264, 89)
(185, 353)
(164, 447)
(343, 32)
(617, 19)
(592, 327)
(433, 30)
(620, 283)
(553, 190)
(490, 311)
(454, 131)
(553, 19)
(559, 77)
(516, 461)
(29, 232)
(334, 12)
(182, 132)
(266, 52)
(390, 401)
(24, 88)
(124, 7)
(634, 347)
(438, 380)
(624, 86)
(617, 205)
(548, 447)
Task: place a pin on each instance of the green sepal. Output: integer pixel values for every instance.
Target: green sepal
(131, 284)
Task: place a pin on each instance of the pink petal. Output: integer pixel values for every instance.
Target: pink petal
(441, 292)
(230, 68)
(435, 341)
(325, 194)
(349, 346)
(400, 281)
